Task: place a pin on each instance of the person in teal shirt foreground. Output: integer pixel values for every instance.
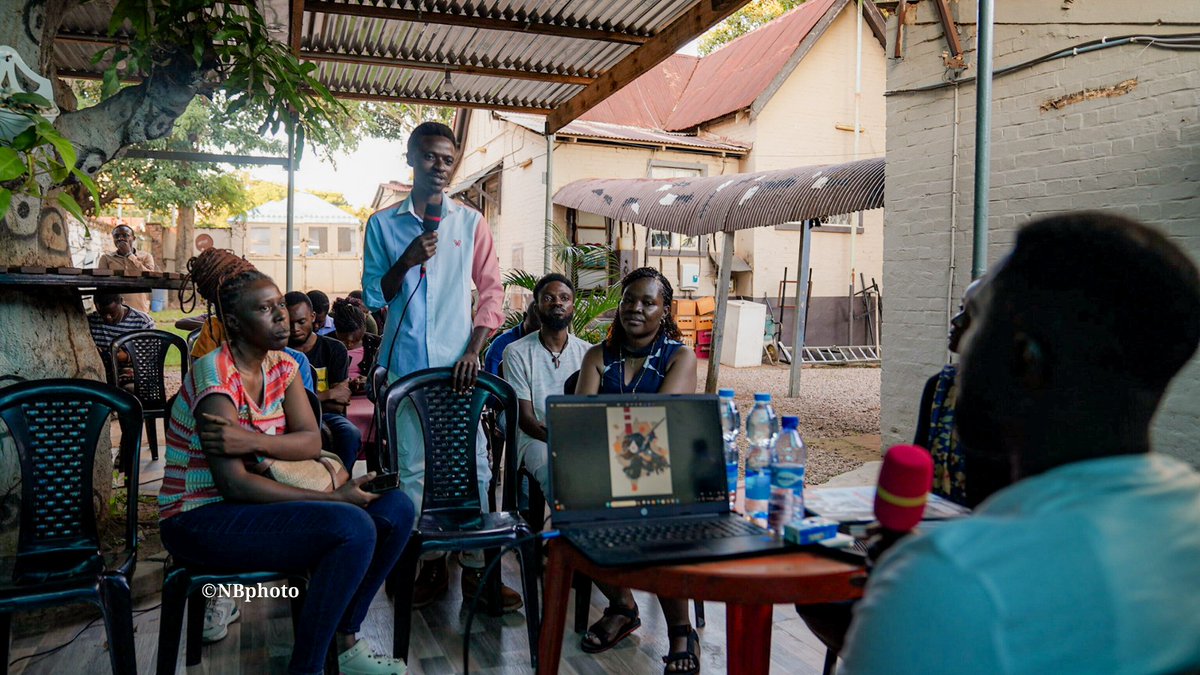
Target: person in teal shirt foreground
(1089, 562)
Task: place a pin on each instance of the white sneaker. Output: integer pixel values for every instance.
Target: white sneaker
(358, 660)
(218, 614)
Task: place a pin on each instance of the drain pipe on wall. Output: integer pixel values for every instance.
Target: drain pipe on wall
(858, 51)
(952, 272)
(983, 133)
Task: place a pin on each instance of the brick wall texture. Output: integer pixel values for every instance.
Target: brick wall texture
(1136, 153)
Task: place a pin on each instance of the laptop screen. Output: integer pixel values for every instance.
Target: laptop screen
(635, 456)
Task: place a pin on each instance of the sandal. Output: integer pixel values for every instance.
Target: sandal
(691, 654)
(634, 623)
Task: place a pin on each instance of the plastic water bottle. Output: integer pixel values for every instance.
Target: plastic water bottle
(762, 428)
(731, 426)
(787, 476)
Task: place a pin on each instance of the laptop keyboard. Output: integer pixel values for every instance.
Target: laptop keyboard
(687, 531)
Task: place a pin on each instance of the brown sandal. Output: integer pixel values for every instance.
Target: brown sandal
(634, 623)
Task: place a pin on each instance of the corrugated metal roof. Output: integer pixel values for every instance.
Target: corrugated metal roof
(734, 202)
(621, 132)
(531, 55)
(683, 91)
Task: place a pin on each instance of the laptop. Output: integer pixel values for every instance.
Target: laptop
(638, 480)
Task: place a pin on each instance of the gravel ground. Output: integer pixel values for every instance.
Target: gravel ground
(838, 409)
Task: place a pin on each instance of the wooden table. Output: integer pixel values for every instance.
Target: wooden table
(748, 587)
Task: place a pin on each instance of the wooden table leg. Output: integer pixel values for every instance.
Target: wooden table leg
(557, 583)
(748, 639)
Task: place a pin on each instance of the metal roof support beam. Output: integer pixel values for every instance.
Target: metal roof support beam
(690, 25)
(724, 274)
(486, 23)
(211, 157)
(510, 73)
(449, 103)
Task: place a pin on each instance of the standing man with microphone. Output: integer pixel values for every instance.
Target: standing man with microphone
(421, 258)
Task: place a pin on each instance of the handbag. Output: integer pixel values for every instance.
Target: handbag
(319, 475)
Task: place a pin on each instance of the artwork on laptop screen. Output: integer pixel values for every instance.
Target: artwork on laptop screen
(639, 463)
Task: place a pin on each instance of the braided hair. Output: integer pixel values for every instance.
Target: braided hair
(218, 276)
(347, 318)
(616, 332)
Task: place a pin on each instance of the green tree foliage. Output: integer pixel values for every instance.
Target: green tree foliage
(754, 15)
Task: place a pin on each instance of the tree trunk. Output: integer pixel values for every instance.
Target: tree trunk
(45, 333)
(185, 224)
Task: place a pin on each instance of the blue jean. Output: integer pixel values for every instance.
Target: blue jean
(347, 439)
(348, 551)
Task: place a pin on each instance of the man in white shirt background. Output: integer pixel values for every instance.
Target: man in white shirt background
(539, 364)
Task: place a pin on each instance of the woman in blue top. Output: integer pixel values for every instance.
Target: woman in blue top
(642, 355)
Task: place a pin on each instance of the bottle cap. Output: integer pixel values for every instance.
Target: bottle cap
(791, 422)
(762, 398)
(726, 393)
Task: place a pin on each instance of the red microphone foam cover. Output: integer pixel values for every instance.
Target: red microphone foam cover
(904, 482)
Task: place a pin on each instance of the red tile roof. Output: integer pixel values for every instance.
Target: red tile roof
(683, 91)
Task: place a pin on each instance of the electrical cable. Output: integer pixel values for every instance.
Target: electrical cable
(391, 348)
(1176, 41)
(549, 534)
(55, 650)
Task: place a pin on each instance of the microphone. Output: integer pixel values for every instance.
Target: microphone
(904, 482)
(432, 219)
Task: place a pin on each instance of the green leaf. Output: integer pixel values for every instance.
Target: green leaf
(12, 165)
(26, 139)
(31, 99)
(5, 200)
(68, 202)
(111, 84)
(60, 143)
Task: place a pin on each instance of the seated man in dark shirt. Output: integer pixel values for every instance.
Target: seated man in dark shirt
(331, 365)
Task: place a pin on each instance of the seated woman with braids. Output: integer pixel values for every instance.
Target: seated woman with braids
(642, 355)
(240, 406)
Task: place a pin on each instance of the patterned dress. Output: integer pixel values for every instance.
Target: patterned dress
(949, 464)
(187, 479)
(649, 379)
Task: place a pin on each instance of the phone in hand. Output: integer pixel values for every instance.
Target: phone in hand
(381, 483)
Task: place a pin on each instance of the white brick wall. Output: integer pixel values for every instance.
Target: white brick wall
(1138, 154)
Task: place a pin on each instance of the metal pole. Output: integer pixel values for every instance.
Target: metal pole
(291, 207)
(548, 259)
(800, 320)
(858, 50)
(983, 135)
(718, 335)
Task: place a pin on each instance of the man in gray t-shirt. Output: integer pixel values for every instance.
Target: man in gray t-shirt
(539, 364)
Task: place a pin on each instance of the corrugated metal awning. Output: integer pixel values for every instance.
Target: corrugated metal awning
(543, 56)
(733, 202)
(476, 178)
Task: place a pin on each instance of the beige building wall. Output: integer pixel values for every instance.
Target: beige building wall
(1136, 153)
(335, 273)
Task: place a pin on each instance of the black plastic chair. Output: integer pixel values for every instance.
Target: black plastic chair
(452, 517)
(147, 354)
(182, 591)
(191, 342)
(55, 426)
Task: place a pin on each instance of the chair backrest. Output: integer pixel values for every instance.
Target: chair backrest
(450, 424)
(147, 354)
(55, 426)
(376, 383)
(571, 383)
(191, 342)
(316, 405)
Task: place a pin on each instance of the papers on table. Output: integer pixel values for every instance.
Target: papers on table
(856, 504)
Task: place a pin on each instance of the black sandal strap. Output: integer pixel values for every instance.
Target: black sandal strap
(683, 630)
(693, 648)
(627, 612)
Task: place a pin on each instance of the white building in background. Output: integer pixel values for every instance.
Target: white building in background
(327, 246)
